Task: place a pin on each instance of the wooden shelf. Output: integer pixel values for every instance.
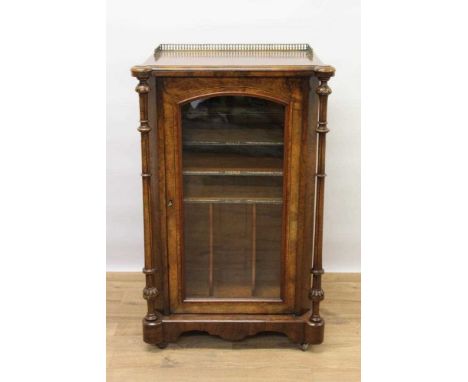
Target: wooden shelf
(232, 136)
(230, 164)
(244, 190)
(231, 200)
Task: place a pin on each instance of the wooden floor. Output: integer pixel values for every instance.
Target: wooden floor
(203, 358)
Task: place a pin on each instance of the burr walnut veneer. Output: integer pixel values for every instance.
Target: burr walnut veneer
(233, 169)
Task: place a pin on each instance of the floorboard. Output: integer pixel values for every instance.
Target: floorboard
(265, 357)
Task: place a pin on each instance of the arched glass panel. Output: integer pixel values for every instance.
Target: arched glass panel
(233, 149)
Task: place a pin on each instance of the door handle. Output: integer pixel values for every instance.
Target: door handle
(170, 203)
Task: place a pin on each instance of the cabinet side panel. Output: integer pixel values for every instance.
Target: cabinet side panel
(159, 186)
(309, 160)
(153, 141)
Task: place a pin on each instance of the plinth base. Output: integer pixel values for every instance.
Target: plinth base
(233, 327)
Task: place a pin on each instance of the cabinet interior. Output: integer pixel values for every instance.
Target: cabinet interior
(232, 156)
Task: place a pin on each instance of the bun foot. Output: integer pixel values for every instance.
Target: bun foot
(304, 347)
(162, 345)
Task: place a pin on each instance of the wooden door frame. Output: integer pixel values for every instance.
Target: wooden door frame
(175, 92)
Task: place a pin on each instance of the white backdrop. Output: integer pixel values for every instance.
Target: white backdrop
(135, 28)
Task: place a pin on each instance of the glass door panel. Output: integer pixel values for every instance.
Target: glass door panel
(233, 150)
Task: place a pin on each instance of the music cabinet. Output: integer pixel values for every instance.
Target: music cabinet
(233, 169)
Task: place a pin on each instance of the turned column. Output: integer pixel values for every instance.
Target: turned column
(316, 293)
(150, 292)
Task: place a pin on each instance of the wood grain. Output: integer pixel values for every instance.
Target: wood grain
(265, 357)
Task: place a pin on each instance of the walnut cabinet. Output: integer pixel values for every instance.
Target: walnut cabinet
(233, 170)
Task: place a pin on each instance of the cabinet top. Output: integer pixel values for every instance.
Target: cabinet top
(181, 59)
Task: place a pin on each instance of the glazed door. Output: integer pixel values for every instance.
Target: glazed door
(232, 179)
